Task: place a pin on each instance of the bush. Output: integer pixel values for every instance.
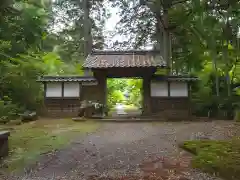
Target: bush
(237, 115)
(8, 111)
(218, 157)
(219, 107)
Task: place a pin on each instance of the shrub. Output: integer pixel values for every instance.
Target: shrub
(8, 111)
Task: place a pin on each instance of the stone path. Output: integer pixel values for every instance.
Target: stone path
(127, 113)
(119, 148)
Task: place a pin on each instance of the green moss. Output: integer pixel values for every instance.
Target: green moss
(218, 157)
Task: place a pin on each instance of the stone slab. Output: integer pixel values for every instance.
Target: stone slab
(4, 134)
(4, 148)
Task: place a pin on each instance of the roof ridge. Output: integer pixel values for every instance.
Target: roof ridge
(119, 52)
(121, 59)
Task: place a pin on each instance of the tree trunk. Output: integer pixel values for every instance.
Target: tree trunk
(161, 43)
(87, 31)
(216, 74)
(159, 35)
(227, 33)
(228, 81)
(214, 61)
(214, 58)
(166, 40)
(170, 54)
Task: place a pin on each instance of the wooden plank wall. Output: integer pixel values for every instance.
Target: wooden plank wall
(58, 107)
(175, 107)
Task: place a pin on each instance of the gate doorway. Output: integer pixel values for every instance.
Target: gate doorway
(166, 96)
(124, 97)
(140, 64)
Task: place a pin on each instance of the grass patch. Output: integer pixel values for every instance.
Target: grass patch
(28, 141)
(218, 157)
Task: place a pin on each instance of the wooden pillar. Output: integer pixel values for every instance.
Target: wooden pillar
(45, 89)
(104, 96)
(62, 100)
(169, 89)
(45, 108)
(80, 91)
(146, 96)
(102, 89)
(189, 99)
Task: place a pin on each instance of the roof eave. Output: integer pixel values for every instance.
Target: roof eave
(175, 78)
(108, 67)
(66, 79)
(120, 52)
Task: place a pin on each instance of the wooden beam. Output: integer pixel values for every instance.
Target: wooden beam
(45, 89)
(61, 101)
(80, 90)
(189, 98)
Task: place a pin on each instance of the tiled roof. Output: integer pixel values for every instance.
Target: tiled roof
(133, 58)
(175, 78)
(67, 79)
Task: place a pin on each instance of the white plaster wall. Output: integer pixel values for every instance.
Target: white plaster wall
(54, 89)
(159, 89)
(178, 89)
(71, 89)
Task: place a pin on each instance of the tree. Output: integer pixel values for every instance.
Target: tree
(75, 25)
(203, 34)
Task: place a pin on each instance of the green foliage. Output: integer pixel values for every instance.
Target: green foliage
(204, 94)
(221, 157)
(69, 40)
(204, 42)
(29, 48)
(117, 88)
(115, 97)
(22, 28)
(22, 25)
(135, 89)
(48, 37)
(8, 110)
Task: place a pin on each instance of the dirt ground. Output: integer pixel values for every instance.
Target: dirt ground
(118, 149)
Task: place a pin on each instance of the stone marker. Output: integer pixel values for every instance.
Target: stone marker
(4, 143)
(28, 116)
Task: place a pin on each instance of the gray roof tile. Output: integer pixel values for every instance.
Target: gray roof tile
(133, 58)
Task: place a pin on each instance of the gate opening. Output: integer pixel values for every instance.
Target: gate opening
(124, 97)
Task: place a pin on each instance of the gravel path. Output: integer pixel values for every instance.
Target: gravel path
(119, 148)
